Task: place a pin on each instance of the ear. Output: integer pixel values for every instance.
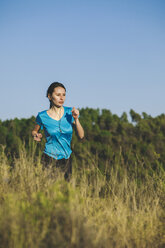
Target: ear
(49, 96)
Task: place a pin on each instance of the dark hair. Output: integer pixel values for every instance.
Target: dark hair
(51, 89)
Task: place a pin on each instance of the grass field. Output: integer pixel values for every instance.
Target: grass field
(39, 209)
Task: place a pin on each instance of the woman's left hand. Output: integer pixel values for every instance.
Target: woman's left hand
(75, 113)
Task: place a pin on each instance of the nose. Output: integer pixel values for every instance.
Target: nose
(61, 98)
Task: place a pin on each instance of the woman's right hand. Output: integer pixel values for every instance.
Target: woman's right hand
(37, 137)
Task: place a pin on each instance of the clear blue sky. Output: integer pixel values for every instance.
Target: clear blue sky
(108, 53)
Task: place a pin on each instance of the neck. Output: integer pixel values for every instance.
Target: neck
(56, 109)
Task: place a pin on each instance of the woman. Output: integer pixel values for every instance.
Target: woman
(57, 123)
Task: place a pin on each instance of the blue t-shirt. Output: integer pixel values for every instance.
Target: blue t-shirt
(58, 133)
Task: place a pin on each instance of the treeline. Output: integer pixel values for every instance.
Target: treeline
(108, 137)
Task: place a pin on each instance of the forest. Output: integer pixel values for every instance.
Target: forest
(106, 136)
(116, 194)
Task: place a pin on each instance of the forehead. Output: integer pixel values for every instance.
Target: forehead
(59, 90)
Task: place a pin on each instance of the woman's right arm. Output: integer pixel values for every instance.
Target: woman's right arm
(36, 135)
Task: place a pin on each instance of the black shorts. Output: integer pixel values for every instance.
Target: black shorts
(64, 165)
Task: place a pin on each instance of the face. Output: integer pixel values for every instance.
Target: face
(58, 96)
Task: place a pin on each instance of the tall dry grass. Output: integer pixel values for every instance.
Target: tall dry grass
(39, 209)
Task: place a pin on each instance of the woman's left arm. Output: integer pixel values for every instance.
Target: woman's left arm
(80, 130)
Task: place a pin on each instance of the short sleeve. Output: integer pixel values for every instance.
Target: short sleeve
(39, 121)
(70, 113)
(72, 118)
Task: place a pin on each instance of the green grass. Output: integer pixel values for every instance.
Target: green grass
(39, 209)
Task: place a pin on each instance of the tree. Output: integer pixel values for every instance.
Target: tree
(135, 116)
